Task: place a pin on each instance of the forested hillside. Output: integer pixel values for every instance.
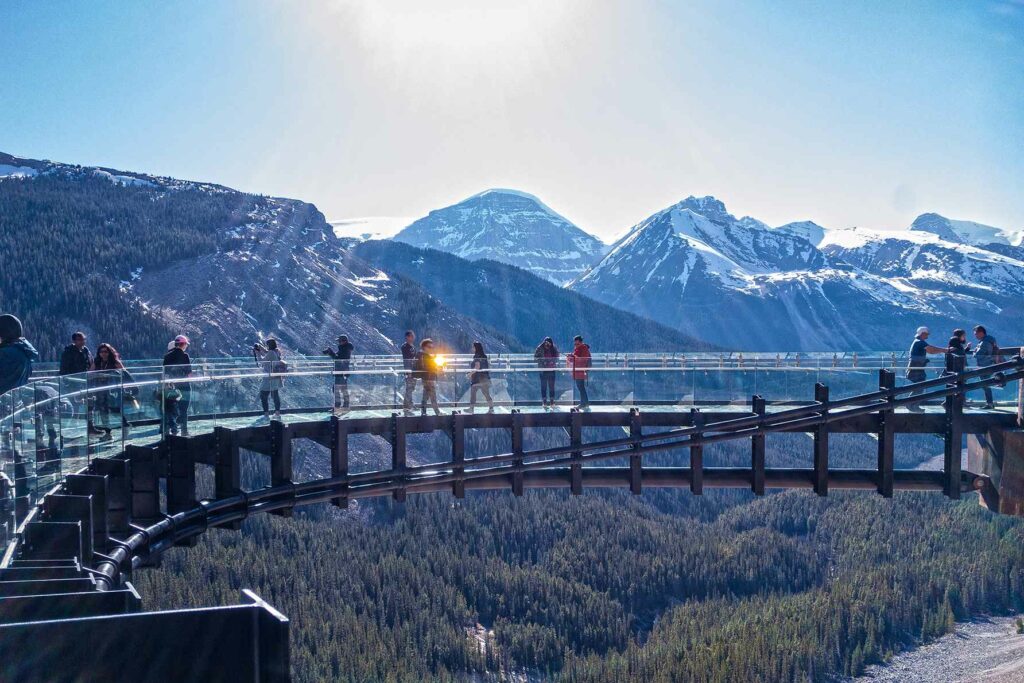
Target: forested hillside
(522, 304)
(68, 242)
(610, 587)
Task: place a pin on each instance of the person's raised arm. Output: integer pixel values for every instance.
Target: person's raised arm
(934, 349)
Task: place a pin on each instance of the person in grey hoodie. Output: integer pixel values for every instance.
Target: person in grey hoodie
(16, 354)
(986, 353)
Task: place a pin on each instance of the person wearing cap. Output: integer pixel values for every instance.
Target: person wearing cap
(919, 350)
(16, 354)
(342, 364)
(546, 354)
(177, 394)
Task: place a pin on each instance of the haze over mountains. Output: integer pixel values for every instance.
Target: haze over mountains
(226, 267)
(740, 283)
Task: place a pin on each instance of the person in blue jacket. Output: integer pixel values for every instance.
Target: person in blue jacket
(16, 354)
(986, 353)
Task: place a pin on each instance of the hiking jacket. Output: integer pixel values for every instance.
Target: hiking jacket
(579, 361)
(986, 352)
(74, 360)
(16, 358)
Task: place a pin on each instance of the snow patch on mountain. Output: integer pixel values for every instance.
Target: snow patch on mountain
(966, 232)
(11, 171)
(509, 226)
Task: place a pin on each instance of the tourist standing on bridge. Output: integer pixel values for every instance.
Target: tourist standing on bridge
(986, 354)
(480, 377)
(342, 364)
(16, 354)
(272, 360)
(76, 359)
(409, 364)
(177, 394)
(579, 361)
(958, 344)
(429, 367)
(109, 371)
(919, 350)
(546, 355)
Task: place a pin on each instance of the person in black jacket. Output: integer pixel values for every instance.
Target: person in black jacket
(480, 377)
(76, 357)
(342, 364)
(409, 365)
(177, 394)
(76, 360)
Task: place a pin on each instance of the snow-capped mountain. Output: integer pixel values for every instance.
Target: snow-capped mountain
(511, 227)
(222, 266)
(739, 282)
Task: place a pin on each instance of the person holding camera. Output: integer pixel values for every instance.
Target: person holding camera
(342, 364)
(271, 359)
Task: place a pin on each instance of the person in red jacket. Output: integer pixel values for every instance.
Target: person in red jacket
(579, 361)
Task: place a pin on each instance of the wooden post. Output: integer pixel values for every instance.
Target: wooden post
(636, 473)
(821, 443)
(339, 456)
(697, 456)
(517, 450)
(954, 433)
(458, 454)
(757, 449)
(886, 434)
(576, 439)
(398, 453)
(280, 459)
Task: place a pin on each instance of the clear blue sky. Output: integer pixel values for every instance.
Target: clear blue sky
(846, 113)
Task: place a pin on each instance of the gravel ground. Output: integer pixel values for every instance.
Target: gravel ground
(982, 651)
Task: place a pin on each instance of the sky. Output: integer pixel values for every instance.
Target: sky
(846, 113)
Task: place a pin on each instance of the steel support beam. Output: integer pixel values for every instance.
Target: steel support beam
(697, 457)
(339, 457)
(636, 462)
(821, 443)
(575, 440)
(458, 454)
(398, 453)
(954, 434)
(517, 449)
(886, 436)
(281, 459)
(757, 451)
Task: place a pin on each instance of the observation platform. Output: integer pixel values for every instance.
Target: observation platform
(82, 508)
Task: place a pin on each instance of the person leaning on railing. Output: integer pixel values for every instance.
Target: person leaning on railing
(16, 354)
(546, 355)
(919, 350)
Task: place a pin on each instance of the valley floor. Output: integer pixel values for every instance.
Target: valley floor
(983, 651)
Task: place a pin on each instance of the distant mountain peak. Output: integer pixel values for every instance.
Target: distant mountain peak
(966, 232)
(509, 226)
(707, 206)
